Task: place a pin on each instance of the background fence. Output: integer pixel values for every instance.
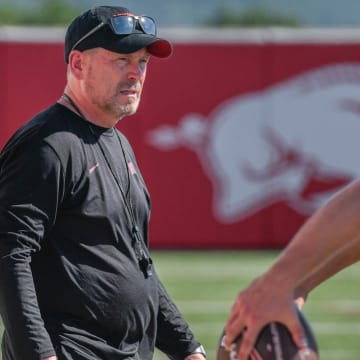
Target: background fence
(240, 135)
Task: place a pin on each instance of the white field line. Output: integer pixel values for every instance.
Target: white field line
(215, 272)
(339, 354)
(341, 306)
(206, 306)
(323, 328)
(330, 328)
(326, 354)
(232, 269)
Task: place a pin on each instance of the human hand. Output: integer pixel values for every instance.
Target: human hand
(195, 357)
(262, 302)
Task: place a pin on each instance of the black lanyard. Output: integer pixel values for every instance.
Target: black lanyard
(141, 251)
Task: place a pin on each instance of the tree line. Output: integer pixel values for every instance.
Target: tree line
(60, 13)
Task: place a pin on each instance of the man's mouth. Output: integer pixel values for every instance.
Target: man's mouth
(128, 92)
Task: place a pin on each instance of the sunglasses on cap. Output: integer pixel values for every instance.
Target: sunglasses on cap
(122, 24)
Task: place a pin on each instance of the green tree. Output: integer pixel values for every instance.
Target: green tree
(50, 12)
(256, 17)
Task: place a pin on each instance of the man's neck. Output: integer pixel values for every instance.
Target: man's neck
(88, 113)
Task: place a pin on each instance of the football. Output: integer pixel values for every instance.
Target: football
(274, 343)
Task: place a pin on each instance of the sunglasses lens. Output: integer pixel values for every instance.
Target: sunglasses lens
(148, 25)
(123, 25)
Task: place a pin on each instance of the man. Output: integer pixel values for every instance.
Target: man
(76, 278)
(328, 242)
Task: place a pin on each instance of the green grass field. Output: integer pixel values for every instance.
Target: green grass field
(204, 285)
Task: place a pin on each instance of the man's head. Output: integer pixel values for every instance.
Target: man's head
(116, 29)
(107, 50)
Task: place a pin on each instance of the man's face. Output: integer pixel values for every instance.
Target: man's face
(113, 82)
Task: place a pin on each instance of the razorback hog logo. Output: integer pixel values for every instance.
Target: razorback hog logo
(265, 147)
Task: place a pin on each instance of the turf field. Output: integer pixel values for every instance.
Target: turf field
(204, 285)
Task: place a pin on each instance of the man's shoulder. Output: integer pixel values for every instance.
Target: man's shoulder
(61, 128)
(55, 126)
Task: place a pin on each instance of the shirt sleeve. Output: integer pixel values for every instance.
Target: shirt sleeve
(174, 336)
(30, 191)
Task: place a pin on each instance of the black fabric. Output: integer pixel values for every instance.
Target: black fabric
(126, 44)
(70, 281)
(105, 37)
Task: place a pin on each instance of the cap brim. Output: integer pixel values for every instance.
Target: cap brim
(135, 41)
(160, 48)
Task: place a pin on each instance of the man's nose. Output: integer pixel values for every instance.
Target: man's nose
(135, 71)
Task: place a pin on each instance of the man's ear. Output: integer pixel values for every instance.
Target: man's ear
(76, 64)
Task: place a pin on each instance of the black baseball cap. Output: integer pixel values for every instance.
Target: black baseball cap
(93, 28)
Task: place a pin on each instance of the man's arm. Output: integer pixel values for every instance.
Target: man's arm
(349, 256)
(174, 336)
(328, 242)
(29, 184)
